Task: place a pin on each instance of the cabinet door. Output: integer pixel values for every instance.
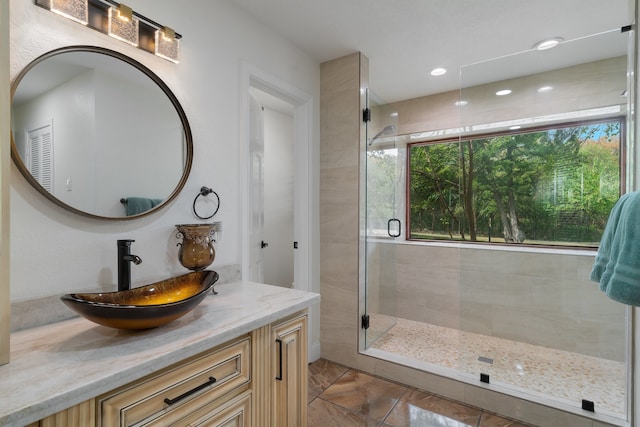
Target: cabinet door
(289, 367)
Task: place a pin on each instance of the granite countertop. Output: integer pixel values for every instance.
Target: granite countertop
(59, 365)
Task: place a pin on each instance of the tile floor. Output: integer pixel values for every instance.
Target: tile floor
(344, 397)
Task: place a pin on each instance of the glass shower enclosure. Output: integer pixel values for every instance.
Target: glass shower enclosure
(383, 224)
(462, 295)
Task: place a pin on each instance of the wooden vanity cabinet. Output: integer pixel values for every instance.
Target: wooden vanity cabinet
(171, 396)
(289, 367)
(256, 380)
(280, 387)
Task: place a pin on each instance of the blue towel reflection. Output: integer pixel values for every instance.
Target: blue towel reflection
(138, 205)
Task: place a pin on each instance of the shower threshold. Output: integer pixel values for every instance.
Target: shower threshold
(555, 375)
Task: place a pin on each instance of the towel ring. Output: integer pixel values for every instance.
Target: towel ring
(205, 191)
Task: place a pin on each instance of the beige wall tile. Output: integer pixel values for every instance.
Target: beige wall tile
(339, 193)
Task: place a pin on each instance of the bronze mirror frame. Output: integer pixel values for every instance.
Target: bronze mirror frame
(188, 138)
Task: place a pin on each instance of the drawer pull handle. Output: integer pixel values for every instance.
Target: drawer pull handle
(279, 376)
(190, 392)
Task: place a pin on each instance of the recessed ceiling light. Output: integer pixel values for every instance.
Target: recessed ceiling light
(503, 92)
(394, 114)
(461, 103)
(438, 71)
(515, 127)
(548, 43)
(545, 89)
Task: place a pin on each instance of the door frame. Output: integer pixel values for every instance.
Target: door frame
(303, 190)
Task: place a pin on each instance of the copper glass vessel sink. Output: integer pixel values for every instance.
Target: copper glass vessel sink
(146, 306)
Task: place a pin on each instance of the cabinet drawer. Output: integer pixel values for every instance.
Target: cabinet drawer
(199, 381)
(231, 413)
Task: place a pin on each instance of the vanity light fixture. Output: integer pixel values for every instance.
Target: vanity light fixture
(503, 92)
(460, 103)
(438, 71)
(121, 22)
(76, 10)
(122, 25)
(167, 44)
(545, 89)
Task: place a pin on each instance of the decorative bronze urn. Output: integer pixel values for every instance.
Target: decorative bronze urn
(196, 248)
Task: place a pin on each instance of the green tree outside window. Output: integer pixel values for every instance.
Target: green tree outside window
(544, 187)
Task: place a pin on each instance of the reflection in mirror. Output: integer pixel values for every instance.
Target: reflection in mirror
(99, 134)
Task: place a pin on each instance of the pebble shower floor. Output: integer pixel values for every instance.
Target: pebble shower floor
(565, 376)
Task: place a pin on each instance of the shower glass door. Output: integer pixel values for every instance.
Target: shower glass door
(384, 201)
(480, 228)
(543, 154)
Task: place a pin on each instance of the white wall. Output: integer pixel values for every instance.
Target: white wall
(278, 198)
(54, 251)
(4, 182)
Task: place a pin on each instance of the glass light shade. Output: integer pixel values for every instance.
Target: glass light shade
(77, 10)
(123, 29)
(167, 45)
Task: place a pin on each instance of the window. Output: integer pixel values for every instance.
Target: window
(546, 186)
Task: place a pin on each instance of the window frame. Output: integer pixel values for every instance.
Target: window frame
(622, 165)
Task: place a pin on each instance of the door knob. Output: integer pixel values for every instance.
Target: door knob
(263, 244)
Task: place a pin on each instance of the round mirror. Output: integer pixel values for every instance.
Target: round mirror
(99, 134)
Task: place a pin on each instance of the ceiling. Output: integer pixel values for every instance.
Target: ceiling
(405, 39)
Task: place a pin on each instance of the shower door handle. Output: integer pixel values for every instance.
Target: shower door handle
(394, 221)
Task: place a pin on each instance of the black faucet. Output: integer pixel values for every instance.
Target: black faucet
(125, 258)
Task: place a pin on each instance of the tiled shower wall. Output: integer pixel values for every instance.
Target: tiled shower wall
(539, 298)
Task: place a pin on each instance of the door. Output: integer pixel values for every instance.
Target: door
(384, 206)
(39, 154)
(256, 178)
(278, 189)
(272, 189)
